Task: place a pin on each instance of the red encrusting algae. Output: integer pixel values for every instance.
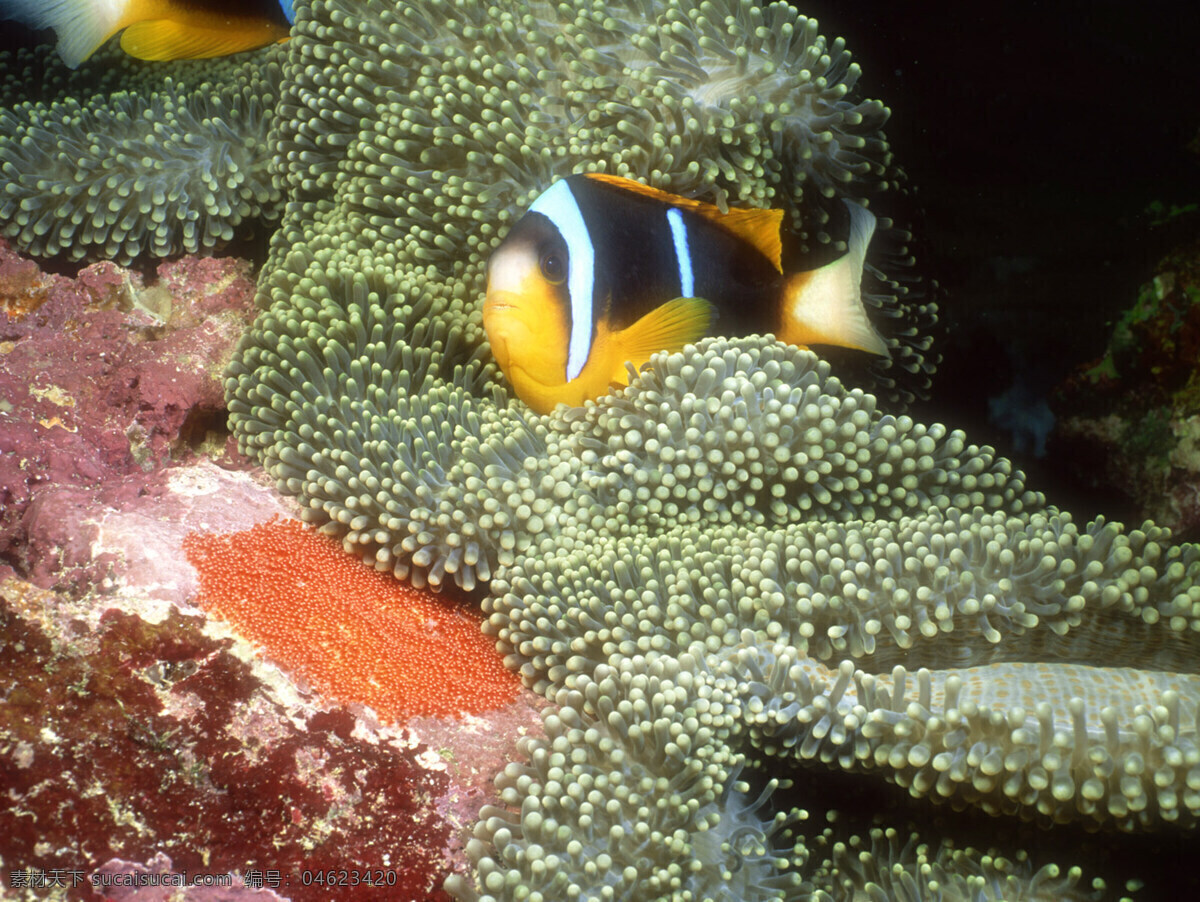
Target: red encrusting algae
(356, 635)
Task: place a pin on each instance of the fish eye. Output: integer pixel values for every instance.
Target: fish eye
(554, 267)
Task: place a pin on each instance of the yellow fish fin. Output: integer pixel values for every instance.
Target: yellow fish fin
(759, 228)
(198, 34)
(667, 327)
(825, 306)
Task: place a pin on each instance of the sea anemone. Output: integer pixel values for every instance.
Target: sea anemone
(166, 172)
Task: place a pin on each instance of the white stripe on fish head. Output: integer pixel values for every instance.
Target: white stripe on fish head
(558, 204)
(683, 253)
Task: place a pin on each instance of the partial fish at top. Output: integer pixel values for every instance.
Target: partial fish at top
(602, 271)
(156, 29)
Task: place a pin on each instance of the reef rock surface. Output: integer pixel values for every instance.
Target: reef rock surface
(148, 752)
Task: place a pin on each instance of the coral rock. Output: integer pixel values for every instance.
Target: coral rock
(142, 738)
(1129, 423)
(103, 381)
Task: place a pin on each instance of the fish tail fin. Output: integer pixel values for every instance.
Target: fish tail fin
(81, 25)
(825, 306)
(668, 327)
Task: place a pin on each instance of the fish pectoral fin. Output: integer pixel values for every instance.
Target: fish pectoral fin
(825, 306)
(667, 327)
(198, 37)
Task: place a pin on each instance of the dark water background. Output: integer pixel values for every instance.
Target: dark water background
(1036, 135)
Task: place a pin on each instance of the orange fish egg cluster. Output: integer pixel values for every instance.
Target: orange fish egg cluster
(355, 634)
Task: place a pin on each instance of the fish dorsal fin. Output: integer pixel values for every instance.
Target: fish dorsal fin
(668, 327)
(759, 228)
(196, 34)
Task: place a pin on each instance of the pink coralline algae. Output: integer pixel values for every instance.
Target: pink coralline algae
(145, 740)
(103, 380)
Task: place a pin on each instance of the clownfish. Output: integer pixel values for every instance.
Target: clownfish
(602, 271)
(156, 29)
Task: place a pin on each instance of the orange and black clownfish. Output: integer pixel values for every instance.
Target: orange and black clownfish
(156, 29)
(602, 270)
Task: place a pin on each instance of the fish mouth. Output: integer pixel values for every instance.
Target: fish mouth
(499, 300)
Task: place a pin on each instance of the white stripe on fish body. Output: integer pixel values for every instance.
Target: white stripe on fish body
(558, 204)
(683, 253)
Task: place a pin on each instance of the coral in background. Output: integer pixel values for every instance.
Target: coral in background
(111, 543)
(234, 704)
(355, 634)
(1131, 420)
